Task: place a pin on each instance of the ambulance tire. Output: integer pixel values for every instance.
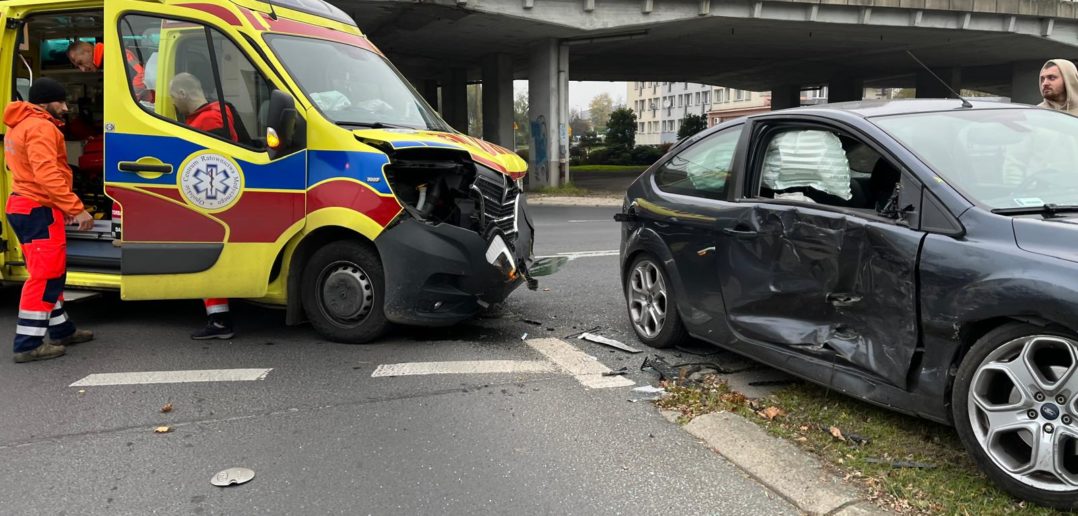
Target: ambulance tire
(344, 292)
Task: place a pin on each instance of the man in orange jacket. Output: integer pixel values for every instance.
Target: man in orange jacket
(90, 57)
(40, 204)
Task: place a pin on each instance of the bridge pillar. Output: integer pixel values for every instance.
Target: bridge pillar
(1025, 77)
(498, 99)
(428, 88)
(455, 100)
(845, 89)
(548, 113)
(928, 87)
(785, 96)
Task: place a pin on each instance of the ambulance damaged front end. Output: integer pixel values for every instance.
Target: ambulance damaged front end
(460, 239)
(463, 240)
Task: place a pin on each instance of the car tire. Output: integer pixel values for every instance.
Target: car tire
(344, 292)
(649, 300)
(1003, 425)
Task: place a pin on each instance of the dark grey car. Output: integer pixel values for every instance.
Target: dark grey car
(918, 254)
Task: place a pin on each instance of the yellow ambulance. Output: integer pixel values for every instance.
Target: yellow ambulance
(338, 193)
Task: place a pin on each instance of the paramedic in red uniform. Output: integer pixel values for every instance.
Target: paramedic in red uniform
(41, 203)
(190, 101)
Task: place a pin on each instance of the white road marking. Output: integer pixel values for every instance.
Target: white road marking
(464, 367)
(149, 377)
(585, 368)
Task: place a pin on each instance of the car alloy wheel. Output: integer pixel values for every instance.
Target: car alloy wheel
(1022, 411)
(647, 299)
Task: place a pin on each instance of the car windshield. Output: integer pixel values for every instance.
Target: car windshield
(353, 86)
(1003, 158)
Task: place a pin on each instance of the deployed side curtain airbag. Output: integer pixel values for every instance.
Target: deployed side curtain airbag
(809, 158)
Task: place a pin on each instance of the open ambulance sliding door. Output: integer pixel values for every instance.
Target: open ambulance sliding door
(204, 212)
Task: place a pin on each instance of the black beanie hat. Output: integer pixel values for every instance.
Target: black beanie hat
(45, 90)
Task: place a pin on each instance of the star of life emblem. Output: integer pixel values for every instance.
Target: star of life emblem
(211, 181)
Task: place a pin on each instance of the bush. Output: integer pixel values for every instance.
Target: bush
(645, 155)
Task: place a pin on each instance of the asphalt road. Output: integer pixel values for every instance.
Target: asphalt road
(325, 437)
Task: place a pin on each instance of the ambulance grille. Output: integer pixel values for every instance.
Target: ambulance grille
(498, 197)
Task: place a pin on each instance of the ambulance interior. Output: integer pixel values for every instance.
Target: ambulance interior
(43, 42)
(42, 52)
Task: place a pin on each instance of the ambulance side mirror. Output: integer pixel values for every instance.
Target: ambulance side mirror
(281, 123)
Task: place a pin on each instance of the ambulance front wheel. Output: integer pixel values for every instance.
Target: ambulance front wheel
(344, 292)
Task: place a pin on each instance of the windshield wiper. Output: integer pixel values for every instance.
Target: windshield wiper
(375, 125)
(1048, 210)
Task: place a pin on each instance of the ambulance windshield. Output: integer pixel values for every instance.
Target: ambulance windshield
(353, 86)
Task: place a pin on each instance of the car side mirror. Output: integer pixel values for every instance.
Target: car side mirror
(281, 123)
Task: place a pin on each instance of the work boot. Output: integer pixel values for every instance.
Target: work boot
(218, 327)
(42, 352)
(78, 337)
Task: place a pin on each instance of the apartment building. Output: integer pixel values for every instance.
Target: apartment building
(660, 108)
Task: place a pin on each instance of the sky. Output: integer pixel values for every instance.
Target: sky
(581, 92)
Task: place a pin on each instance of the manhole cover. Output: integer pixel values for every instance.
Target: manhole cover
(232, 476)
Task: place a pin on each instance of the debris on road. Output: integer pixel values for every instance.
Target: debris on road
(162, 429)
(599, 339)
(232, 477)
(618, 372)
(649, 389)
(524, 337)
(577, 334)
(661, 366)
(532, 322)
(547, 265)
(167, 408)
(638, 400)
(900, 463)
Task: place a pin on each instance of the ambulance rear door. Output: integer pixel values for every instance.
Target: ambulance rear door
(205, 212)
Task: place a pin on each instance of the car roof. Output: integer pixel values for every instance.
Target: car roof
(871, 108)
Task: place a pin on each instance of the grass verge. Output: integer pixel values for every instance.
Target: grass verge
(638, 169)
(885, 452)
(568, 189)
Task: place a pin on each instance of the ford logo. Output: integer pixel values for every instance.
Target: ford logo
(1049, 411)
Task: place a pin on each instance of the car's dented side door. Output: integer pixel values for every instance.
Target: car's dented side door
(822, 280)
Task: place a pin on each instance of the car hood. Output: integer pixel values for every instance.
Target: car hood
(1050, 237)
(496, 157)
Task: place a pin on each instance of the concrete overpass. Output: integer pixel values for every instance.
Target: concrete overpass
(995, 46)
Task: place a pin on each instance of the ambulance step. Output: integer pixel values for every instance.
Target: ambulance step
(70, 296)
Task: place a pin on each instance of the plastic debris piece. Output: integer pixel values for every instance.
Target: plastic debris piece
(232, 477)
(167, 408)
(162, 429)
(649, 389)
(524, 337)
(533, 322)
(599, 339)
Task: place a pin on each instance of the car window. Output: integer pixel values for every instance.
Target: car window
(826, 167)
(702, 169)
(160, 52)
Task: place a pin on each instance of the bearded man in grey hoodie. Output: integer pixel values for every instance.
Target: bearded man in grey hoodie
(1059, 86)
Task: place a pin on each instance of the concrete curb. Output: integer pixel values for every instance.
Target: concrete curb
(781, 466)
(564, 200)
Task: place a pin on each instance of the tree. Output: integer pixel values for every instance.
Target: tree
(578, 124)
(599, 109)
(522, 130)
(691, 125)
(621, 129)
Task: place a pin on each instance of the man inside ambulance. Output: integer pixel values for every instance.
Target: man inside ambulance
(90, 57)
(189, 99)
